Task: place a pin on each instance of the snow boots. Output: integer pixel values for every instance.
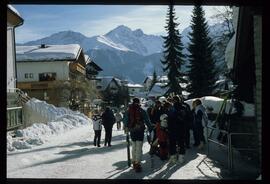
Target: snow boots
(137, 166)
(201, 145)
(181, 159)
(173, 159)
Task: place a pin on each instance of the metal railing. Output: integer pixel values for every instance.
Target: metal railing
(228, 145)
(241, 148)
(14, 117)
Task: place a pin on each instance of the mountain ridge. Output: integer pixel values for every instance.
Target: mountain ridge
(115, 50)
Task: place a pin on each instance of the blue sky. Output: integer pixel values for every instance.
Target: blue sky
(43, 20)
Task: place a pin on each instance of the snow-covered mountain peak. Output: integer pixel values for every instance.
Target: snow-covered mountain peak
(122, 30)
(138, 32)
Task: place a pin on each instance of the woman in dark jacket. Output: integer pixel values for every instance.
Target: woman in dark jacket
(108, 120)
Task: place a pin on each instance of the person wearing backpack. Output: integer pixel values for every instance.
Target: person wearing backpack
(135, 120)
(108, 121)
(200, 121)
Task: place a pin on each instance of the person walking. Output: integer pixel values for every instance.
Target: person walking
(108, 120)
(118, 118)
(135, 119)
(97, 126)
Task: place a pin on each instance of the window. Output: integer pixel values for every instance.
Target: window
(28, 75)
(48, 76)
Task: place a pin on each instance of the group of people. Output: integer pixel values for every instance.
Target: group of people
(106, 119)
(170, 122)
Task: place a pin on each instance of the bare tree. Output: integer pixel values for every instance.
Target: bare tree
(224, 16)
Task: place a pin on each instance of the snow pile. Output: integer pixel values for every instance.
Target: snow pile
(62, 120)
(48, 110)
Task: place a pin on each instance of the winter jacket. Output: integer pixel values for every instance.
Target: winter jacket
(118, 116)
(162, 133)
(97, 122)
(156, 113)
(178, 117)
(201, 118)
(108, 119)
(136, 115)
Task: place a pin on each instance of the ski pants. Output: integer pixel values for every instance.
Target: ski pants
(199, 135)
(137, 142)
(108, 135)
(187, 138)
(97, 137)
(177, 139)
(137, 151)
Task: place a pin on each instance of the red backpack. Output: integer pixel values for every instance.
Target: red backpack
(135, 118)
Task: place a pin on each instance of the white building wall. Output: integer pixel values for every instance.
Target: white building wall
(11, 73)
(61, 69)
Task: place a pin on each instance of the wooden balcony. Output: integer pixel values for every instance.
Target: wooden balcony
(77, 68)
(36, 85)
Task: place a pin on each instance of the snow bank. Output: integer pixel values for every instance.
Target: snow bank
(62, 120)
(215, 103)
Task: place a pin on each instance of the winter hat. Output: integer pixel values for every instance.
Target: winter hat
(164, 120)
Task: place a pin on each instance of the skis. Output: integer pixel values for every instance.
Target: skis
(128, 150)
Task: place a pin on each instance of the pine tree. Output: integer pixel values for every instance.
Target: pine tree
(173, 57)
(202, 72)
(154, 81)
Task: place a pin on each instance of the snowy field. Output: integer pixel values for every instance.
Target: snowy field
(63, 148)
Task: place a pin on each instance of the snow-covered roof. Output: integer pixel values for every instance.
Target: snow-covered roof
(135, 85)
(87, 59)
(159, 78)
(68, 52)
(90, 62)
(158, 90)
(14, 10)
(106, 80)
